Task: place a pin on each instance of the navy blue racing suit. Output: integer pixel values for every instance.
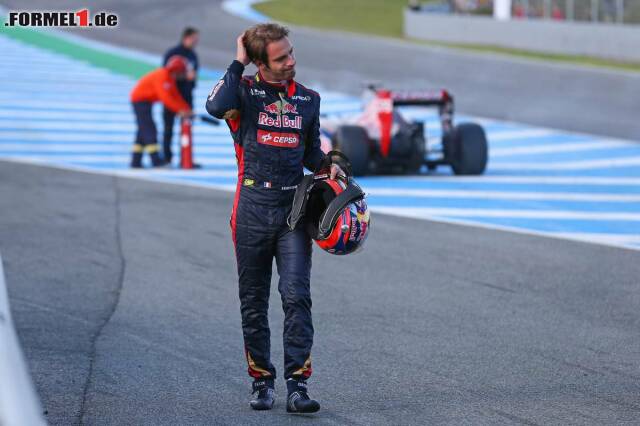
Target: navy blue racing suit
(185, 87)
(276, 131)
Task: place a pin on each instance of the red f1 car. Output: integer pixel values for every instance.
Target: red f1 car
(381, 140)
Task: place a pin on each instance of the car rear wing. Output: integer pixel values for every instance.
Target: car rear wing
(421, 97)
(441, 99)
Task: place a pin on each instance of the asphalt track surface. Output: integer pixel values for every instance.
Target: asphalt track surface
(124, 295)
(125, 300)
(590, 100)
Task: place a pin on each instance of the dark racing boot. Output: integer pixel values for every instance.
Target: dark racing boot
(298, 400)
(136, 160)
(263, 395)
(156, 161)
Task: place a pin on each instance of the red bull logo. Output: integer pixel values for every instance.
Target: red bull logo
(273, 108)
(280, 121)
(281, 107)
(288, 108)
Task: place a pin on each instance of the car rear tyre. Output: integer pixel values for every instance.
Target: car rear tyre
(353, 142)
(466, 149)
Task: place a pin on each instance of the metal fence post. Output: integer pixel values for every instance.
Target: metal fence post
(546, 9)
(620, 11)
(594, 10)
(570, 10)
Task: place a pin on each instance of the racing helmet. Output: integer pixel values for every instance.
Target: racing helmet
(176, 64)
(335, 212)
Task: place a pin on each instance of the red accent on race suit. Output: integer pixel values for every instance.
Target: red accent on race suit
(291, 85)
(234, 124)
(240, 160)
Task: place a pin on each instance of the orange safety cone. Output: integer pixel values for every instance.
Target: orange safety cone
(186, 143)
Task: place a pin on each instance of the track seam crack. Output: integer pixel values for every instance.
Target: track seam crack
(114, 306)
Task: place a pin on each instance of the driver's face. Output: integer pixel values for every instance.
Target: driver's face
(191, 41)
(282, 61)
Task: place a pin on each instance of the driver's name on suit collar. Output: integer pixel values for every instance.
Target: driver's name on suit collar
(258, 92)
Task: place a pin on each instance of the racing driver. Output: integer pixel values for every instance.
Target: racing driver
(274, 122)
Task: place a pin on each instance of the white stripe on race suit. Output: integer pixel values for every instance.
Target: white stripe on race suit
(565, 147)
(603, 163)
(427, 212)
(503, 195)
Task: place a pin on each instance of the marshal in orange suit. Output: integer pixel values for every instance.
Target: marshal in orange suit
(157, 86)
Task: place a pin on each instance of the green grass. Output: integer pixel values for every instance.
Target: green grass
(380, 17)
(384, 18)
(571, 59)
(115, 63)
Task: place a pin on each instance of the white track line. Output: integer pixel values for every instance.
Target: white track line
(504, 195)
(125, 117)
(427, 212)
(77, 126)
(569, 165)
(522, 180)
(84, 87)
(565, 147)
(19, 403)
(109, 148)
(510, 135)
(153, 176)
(616, 239)
(126, 137)
(75, 106)
(107, 158)
(580, 237)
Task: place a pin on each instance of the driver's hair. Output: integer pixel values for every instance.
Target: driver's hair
(259, 36)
